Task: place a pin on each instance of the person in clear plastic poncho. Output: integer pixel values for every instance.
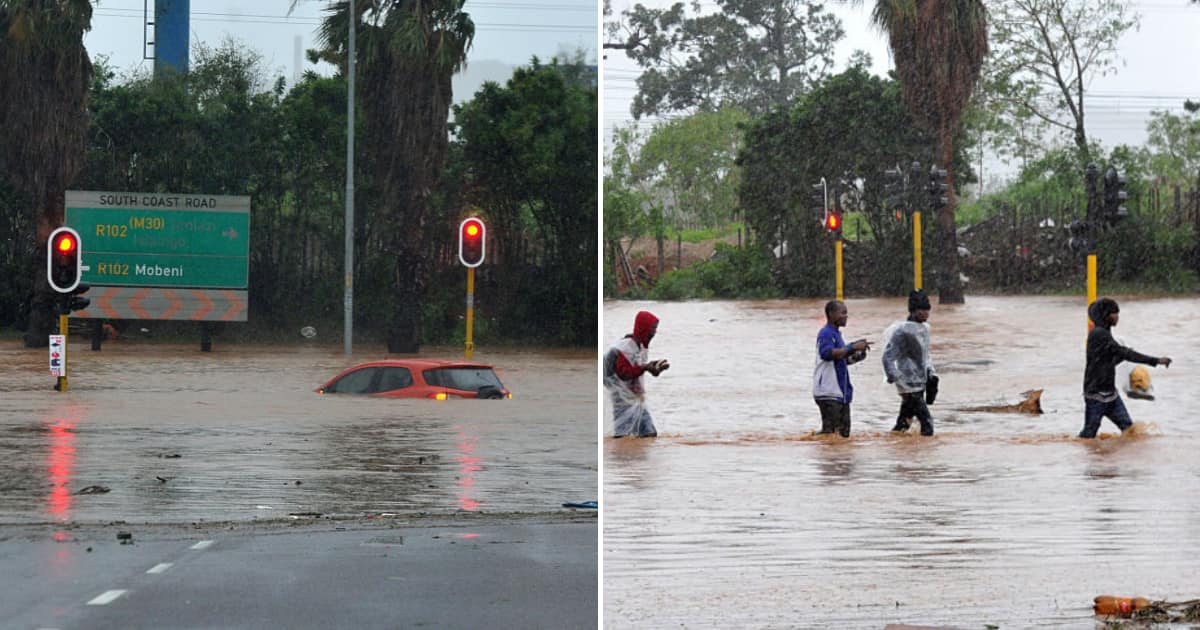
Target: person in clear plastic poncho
(624, 364)
(907, 364)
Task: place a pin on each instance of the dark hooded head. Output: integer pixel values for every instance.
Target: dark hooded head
(918, 301)
(645, 325)
(1099, 311)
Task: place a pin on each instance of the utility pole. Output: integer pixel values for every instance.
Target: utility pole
(348, 325)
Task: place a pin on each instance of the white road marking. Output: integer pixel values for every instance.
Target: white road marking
(106, 597)
(161, 568)
(203, 544)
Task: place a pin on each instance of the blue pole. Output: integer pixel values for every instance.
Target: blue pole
(171, 35)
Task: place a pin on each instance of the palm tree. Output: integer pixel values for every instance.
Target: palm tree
(406, 51)
(46, 74)
(938, 47)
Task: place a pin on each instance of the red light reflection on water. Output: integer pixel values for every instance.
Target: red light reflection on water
(469, 536)
(468, 465)
(60, 463)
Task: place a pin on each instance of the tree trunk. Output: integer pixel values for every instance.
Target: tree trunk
(42, 314)
(950, 290)
(662, 263)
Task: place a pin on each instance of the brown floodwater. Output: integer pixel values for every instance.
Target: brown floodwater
(238, 434)
(737, 516)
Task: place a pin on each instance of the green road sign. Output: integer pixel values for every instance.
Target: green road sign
(162, 239)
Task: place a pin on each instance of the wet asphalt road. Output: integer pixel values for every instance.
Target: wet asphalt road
(528, 574)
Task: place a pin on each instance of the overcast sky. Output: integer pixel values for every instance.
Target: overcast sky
(1159, 69)
(507, 32)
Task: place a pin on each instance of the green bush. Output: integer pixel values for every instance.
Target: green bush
(730, 273)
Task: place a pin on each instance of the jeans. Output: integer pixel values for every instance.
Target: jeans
(913, 405)
(835, 417)
(1095, 410)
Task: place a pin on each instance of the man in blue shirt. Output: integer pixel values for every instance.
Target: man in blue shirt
(831, 378)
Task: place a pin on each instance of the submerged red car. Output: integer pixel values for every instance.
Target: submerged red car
(418, 378)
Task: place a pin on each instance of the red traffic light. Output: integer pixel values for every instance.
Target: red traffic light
(63, 268)
(65, 244)
(472, 241)
(833, 222)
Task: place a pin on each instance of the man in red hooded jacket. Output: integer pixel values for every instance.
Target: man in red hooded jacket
(624, 364)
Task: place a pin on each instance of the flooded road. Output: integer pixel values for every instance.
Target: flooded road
(737, 516)
(178, 436)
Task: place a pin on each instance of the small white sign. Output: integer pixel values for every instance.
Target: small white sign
(58, 355)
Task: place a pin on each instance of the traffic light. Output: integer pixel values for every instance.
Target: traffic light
(62, 260)
(820, 197)
(472, 239)
(938, 188)
(75, 303)
(893, 188)
(1114, 195)
(833, 223)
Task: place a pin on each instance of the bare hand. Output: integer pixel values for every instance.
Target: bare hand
(663, 364)
(1164, 361)
(862, 345)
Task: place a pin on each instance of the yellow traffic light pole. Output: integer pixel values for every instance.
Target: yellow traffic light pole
(838, 263)
(917, 250)
(1091, 287)
(470, 351)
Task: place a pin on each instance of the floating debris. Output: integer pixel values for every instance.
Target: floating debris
(93, 490)
(1031, 404)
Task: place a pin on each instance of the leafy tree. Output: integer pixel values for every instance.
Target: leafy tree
(939, 47)
(642, 205)
(1046, 52)
(788, 151)
(752, 54)
(45, 72)
(406, 54)
(693, 160)
(530, 154)
(1174, 146)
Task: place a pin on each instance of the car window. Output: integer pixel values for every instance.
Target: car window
(356, 382)
(395, 378)
(470, 379)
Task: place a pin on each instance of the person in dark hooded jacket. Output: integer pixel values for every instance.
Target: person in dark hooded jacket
(624, 364)
(1100, 397)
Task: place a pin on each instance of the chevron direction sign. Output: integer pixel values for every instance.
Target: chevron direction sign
(222, 305)
(162, 239)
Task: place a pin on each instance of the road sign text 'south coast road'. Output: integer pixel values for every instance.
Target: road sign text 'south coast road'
(164, 255)
(162, 240)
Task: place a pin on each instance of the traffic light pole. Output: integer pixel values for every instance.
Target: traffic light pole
(1092, 217)
(837, 257)
(917, 274)
(470, 350)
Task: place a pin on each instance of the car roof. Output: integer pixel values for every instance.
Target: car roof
(421, 364)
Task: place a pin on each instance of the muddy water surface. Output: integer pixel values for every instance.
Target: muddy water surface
(177, 435)
(736, 516)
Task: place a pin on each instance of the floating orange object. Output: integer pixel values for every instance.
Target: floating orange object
(1119, 606)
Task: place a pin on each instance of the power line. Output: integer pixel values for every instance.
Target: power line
(308, 21)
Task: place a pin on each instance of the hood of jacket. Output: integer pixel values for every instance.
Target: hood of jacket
(643, 324)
